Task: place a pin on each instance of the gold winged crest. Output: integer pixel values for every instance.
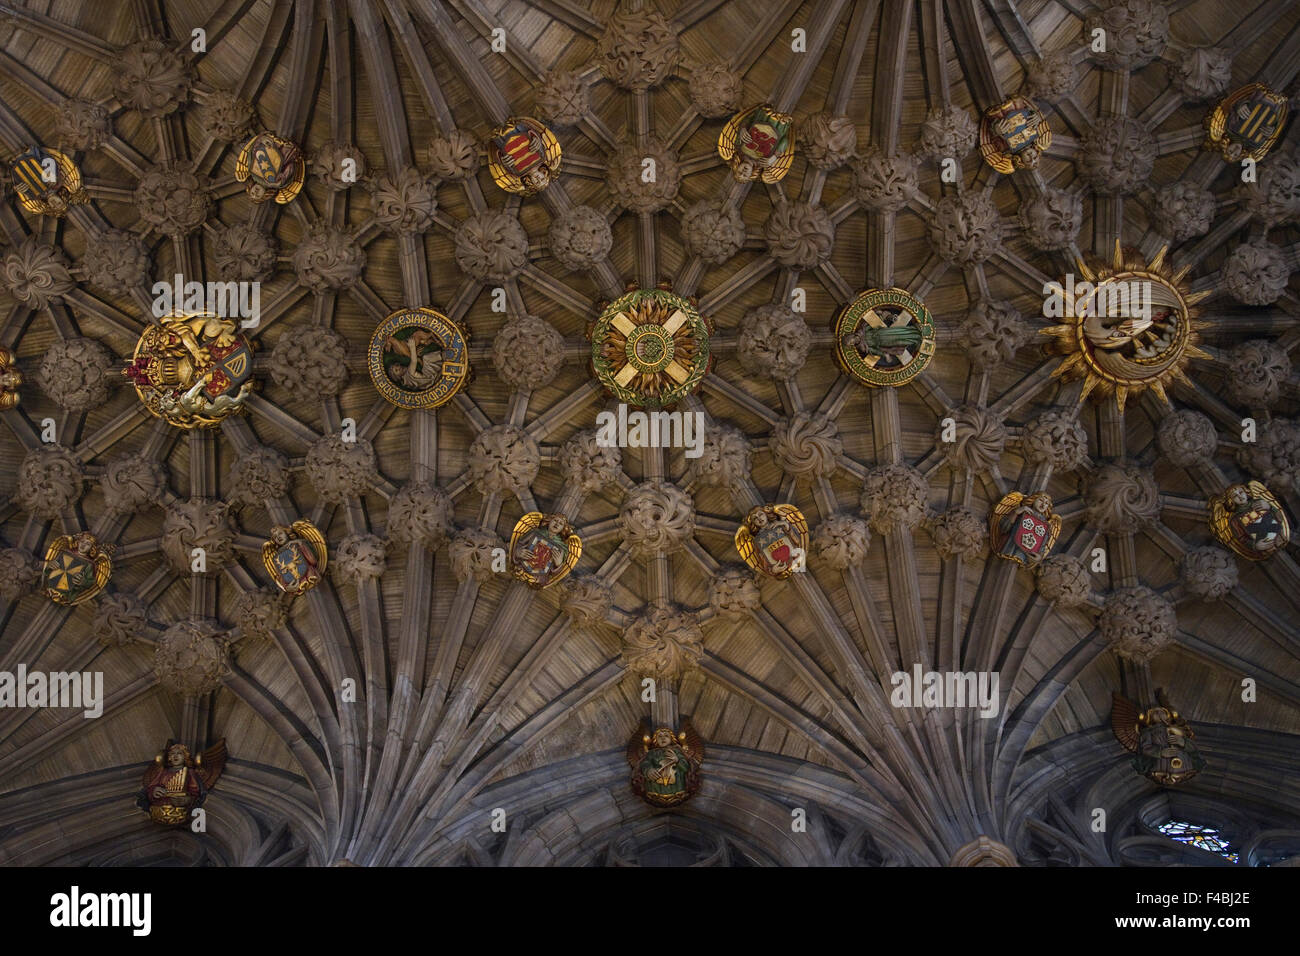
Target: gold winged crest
(287, 192)
(1009, 503)
(730, 136)
(557, 524)
(306, 531)
(69, 182)
(61, 586)
(552, 156)
(745, 538)
(1221, 519)
(1124, 721)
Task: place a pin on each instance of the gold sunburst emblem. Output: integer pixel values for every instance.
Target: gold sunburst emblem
(1128, 326)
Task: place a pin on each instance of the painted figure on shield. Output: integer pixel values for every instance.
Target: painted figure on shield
(270, 168)
(758, 144)
(543, 549)
(523, 156)
(774, 540)
(176, 783)
(1249, 519)
(76, 568)
(1023, 528)
(295, 557)
(665, 766)
(1161, 741)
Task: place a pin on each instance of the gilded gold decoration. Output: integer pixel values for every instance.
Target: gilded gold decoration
(270, 168)
(1250, 520)
(1246, 123)
(773, 539)
(47, 182)
(1013, 135)
(1023, 528)
(758, 144)
(192, 370)
(77, 567)
(543, 549)
(523, 156)
(418, 358)
(650, 347)
(295, 556)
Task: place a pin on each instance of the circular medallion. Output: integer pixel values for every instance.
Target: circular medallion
(418, 358)
(884, 337)
(650, 347)
(192, 369)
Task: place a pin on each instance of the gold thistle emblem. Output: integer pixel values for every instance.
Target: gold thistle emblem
(773, 540)
(523, 156)
(1023, 528)
(1250, 520)
(192, 370)
(46, 182)
(77, 567)
(418, 358)
(1246, 123)
(884, 337)
(270, 168)
(1013, 135)
(1129, 326)
(758, 144)
(543, 549)
(10, 379)
(650, 347)
(295, 556)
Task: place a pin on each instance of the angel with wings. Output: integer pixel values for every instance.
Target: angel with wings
(176, 783)
(1161, 741)
(665, 766)
(1023, 528)
(758, 144)
(523, 156)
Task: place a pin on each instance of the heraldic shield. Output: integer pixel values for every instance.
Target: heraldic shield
(774, 540)
(1246, 123)
(270, 168)
(543, 549)
(295, 557)
(665, 766)
(1249, 519)
(758, 144)
(77, 567)
(1023, 528)
(523, 156)
(1013, 135)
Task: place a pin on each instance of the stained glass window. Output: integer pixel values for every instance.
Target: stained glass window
(1206, 838)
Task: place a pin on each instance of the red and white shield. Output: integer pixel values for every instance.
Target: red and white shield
(1031, 535)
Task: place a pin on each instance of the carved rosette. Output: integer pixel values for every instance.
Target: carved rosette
(328, 260)
(894, 495)
(49, 481)
(563, 98)
(1121, 496)
(1208, 573)
(76, 373)
(198, 523)
(1274, 456)
(258, 614)
(132, 483)
(1057, 439)
(1256, 273)
(258, 475)
(404, 201)
(716, 90)
(172, 198)
(806, 444)
(227, 116)
(585, 598)
(826, 140)
(978, 438)
(948, 132)
(1051, 219)
(884, 182)
(19, 571)
(121, 619)
(1137, 623)
(470, 552)
(37, 274)
(421, 513)
(638, 50)
(1274, 199)
(1201, 73)
(330, 165)
(656, 518)
(960, 532)
(1183, 210)
(503, 460)
(664, 643)
(992, 333)
(528, 352)
(840, 542)
(491, 247)
(1258, 370)
(630, 190)
(1064, 581)
(799, 235)
(359, 557)
(713, 230)
(773, 341)
(733, 591)
(116, 262)
(1187, 438)
(314, 364)
(192, 657)
(84, 124)
(1117, 155)
(151, 78)
(339, 469)
(965, 228)
(580, 237)
(1137, 32)
(244, 253)
(587, 464)
(724, 459)
(1052, 78)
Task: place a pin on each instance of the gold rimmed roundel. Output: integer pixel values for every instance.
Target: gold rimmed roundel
(192, 369)
(418, 358)
(650, 347)
(884, 338)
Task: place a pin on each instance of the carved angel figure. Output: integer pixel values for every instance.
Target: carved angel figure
(176, 783)
(665, 766)
(1160, 740)
(1023, 528)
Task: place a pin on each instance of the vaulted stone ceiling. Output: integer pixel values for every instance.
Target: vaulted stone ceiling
(477, 693)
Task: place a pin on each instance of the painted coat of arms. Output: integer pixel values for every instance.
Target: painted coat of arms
(295, 557)
(77, 567)
(1013, 135)
(758, 144)
(774, 540)
(1246, 123)
(270, 168)
(523, 156)
(177, 783)
(1023, 528)
(543, 549)
(47, 182)
(418, 358)
(1249, 519)
(192, 370)
(665, 766)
